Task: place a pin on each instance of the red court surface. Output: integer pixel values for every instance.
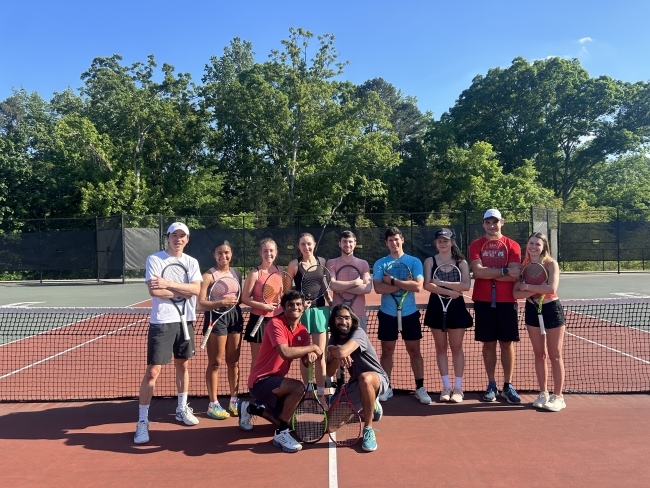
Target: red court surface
(596, 441)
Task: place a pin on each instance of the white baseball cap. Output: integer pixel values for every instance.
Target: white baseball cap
(178, 226)
(493, 212)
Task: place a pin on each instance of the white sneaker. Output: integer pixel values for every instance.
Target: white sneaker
(141, 432)
(387, 394)
(555, 403)
(284, 440)
(186, 414)
(422, 395)
(245, 418)
(445, 394)
(541, 399)
(457, 396)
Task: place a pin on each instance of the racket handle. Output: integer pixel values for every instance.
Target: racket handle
(542, 329)
(493, 303)
(206, 336)
(444, 322)
(186, 332)
(257, 326)
(399, 320)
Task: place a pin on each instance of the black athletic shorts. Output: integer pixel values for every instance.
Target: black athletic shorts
(411, 329)
(458, 316)
(263, 391)
(230, 323)
(552, 313)
(496, 324)
(165, 339)
(252, 321)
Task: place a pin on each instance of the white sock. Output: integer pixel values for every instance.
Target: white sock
(143, 413)
(211, 404)
(445, 381)
(458, 382)
(182, 399)
(320, 390)
(233, 399)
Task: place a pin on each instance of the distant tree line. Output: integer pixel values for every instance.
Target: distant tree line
(287, 136)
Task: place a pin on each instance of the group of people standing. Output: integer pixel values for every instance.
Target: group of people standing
(296, 329)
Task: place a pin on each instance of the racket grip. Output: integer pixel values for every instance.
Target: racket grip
(493, 303)
(257, 326)
(186, 332)
(444, 322)
(399, 321)
(206, 336)
(542, 329)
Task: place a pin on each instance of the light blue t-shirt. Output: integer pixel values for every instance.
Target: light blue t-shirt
(388, 305)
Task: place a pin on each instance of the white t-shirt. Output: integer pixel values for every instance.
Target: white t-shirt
(162, 309)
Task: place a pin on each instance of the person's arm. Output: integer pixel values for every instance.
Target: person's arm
(428, 274)
(247, 292)
(523, 290)
(484, 273)
(202, 302)
(365, 287)
(287, 352)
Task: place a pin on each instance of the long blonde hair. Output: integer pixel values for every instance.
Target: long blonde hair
(545, 255)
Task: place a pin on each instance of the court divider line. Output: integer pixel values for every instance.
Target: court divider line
(69, 349)
(333, 467)
(51, 330)
(608, 348)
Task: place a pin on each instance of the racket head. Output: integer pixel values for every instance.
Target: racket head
(315, 282)
(534, 274)
(224, 287)
(494, 254)
(344, 421)
(399, 271)
(275, 285)
(447, 272)
(177, 273)
(347, 273)
(309, 420)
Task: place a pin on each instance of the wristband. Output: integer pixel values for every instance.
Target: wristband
(392, 281)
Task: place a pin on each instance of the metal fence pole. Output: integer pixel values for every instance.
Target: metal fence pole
(123, 250)
(97, 246)
(618, 241)
(243, 232)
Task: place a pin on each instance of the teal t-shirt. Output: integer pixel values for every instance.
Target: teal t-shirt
(388, 305)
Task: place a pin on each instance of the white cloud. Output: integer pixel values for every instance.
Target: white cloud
(585, 39)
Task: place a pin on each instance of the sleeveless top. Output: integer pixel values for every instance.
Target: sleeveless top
(257, 295)
(298, 280)
(549, 296)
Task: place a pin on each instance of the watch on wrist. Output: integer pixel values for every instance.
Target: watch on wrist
(504, 271)
(392, 281)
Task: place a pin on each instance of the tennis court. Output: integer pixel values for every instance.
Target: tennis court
(65, 355)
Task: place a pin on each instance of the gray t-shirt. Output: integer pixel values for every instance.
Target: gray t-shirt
(364, 357)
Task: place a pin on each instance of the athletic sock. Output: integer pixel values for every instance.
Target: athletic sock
(256, 410)
(320, 390)
(283, 426)
(143, 412)
(212, 404)
(445, 381)
(419, 383)
(182, 399)
(458, 382)
(506, 385)
(233, 399)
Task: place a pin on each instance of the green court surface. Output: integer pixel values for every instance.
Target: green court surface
(93, 294)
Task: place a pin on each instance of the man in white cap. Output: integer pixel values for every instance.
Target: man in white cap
(500, 322)
(166, 335)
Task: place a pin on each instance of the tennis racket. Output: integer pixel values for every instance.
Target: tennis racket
(275, 285)
(447, 273)
(494, 254)
(344, 421)
(224, 287)
(178, 273)
(315, 282)
(536, 274)
(399, 271)
(309, 421)
(347, 273)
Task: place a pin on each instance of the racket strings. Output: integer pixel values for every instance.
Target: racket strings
(534, 274)
(450, 274)
(310, 424)
(344, 423)
(274, 286)
(315, 282)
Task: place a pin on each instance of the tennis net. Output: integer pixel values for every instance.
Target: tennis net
(61, 354)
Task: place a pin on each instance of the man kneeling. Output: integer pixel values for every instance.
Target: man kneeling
(285, 339)
(350, 348)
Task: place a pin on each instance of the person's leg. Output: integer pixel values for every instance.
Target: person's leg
(490, 359)
(458, 359)
(555, 338)
(368, 388)
(255, 351)
(216, 350)
(148, 384)
(387, 352)
(233, 350)
(320, 339)
(538, 342)
(417, 363)
(507, 360)
(440, 340)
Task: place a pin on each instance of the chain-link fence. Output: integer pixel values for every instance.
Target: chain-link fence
(115, 248)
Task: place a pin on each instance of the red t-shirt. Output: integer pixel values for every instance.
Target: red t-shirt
(482, 287)
(269, 362)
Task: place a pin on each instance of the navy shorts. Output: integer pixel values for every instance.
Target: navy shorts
(165, 339)
(496, 324)
(411, 329)
(263, 391)
(552, 313)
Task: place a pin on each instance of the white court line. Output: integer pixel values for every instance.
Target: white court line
(333, 471)
(68, 350)
(51, 330)
(608, 348)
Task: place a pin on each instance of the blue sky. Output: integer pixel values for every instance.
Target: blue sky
(428, 49)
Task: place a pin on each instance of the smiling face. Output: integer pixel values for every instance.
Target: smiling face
(268, 252)
(293, 309)
(492, 227)
(535, 248)
(306, 245)
(176, 242)
(222, 256)
(343, 321)
(394, 244)
(347, 245)
(443, 245)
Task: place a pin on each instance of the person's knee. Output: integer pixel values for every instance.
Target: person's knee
(151, 374)
(541, 355)
(215, 363)
(456, 349)
(490, 346)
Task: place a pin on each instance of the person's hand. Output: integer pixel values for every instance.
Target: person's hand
(514, 272)
(269, 307)
(311, 357)
(229, 301)
(346, 362)
(158, 283)
(358, 282)
(307, 304)
(317, 350)
(454, 293)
